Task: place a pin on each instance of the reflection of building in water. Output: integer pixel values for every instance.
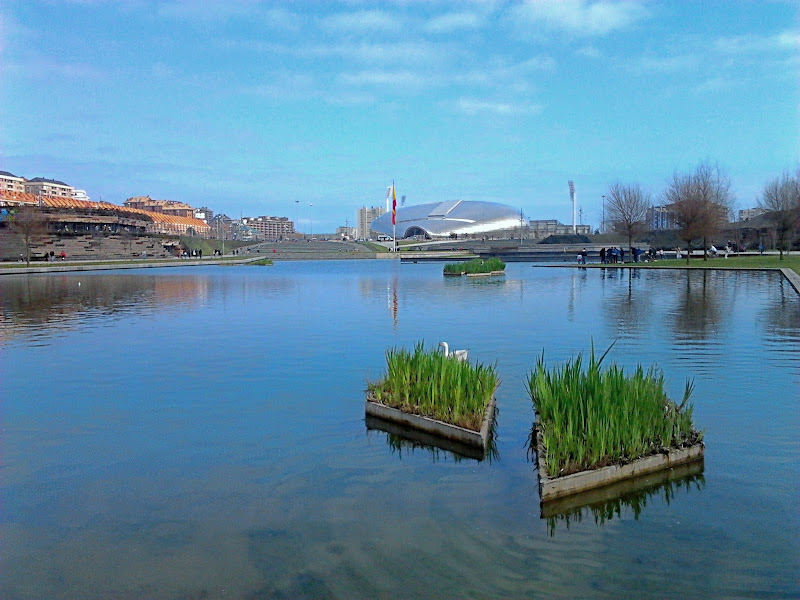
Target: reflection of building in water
(60, 302)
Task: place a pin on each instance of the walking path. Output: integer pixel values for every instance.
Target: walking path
(113, 265)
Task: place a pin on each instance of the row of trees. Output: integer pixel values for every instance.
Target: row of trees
(702, 202)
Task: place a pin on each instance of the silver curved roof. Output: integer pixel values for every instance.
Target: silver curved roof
(440, 219)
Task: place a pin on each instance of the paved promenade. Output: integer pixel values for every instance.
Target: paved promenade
(114, 265)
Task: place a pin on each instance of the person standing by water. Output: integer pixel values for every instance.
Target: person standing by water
(602, 256)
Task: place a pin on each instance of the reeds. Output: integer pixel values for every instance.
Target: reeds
(476, 265)
(430, 384)
(594, 417)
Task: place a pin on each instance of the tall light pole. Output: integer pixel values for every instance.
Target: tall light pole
(297, 210)
(311, 218)
(603, 223)
(572, 195)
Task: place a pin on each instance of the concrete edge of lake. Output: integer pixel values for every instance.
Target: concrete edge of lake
(790, 275)
(551, 488)
(435, 427)
(613, 491)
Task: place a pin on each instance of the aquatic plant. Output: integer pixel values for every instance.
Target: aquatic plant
(595, 417)
(476, 265)
(427, 383)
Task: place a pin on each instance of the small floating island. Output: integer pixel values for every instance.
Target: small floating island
(437, 393)
(597, 426)
(477, 267)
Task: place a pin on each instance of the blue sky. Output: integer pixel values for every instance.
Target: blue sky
(263, 108)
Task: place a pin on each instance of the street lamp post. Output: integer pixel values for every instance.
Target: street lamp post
(297, 210)
(311, 219)
(603, 225)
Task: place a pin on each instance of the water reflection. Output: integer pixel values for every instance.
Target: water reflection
(632, 495)
(780, 316)
(59, 300)
(405, 439)
(629, 305)
(699, 313)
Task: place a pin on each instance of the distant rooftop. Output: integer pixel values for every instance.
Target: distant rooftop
(45, 180)
(7, 174)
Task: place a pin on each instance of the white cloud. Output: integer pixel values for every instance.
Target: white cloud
(381, 78)
(450, 22)
(207, 11)
(714, 85)
(666, 64)
(384, 53)
(474, 106)
(578, 17)
(362, 21)
(47, 68)
(755, 44)
(589, 52)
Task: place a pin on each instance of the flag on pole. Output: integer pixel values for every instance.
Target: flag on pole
(394, 206)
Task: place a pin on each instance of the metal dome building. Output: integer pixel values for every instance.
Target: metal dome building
(443, 219)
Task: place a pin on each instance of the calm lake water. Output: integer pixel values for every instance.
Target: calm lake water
(199, 433)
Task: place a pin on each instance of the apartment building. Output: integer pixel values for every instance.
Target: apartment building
(39, 186)
(270, 228)
(11, 183)
(751, 213)
(364, 219)
(165, 207)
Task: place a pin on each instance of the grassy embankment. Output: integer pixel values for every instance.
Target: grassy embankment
(209, 245)
(430, 384)
(595, 417)
(374, 247)
(261, 262)
(474, 266)
(762, 261)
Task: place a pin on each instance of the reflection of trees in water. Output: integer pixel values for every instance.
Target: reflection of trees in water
(699, 311)
(629, 305)
(780, 315)
(626, 496)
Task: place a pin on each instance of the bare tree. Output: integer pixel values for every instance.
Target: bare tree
(627, 208)
(29, 223)
(781, 197)
(701, 202)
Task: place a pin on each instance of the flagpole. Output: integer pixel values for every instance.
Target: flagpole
(394, 217)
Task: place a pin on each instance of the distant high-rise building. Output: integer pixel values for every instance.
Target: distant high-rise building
(365, 217)
(204, 214)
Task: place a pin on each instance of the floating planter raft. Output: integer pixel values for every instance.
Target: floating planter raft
(476, 267)
(427, 391)
(596, 427)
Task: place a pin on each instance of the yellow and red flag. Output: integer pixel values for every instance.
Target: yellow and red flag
(394, 206)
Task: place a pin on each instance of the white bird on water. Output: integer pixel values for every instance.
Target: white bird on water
(457, 354)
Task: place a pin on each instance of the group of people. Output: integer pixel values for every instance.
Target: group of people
(50, 257)
(194, 254)
(616, 255)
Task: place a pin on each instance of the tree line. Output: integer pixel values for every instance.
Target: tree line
(702, 203)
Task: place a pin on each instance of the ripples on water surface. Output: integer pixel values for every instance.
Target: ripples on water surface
(199, 433)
